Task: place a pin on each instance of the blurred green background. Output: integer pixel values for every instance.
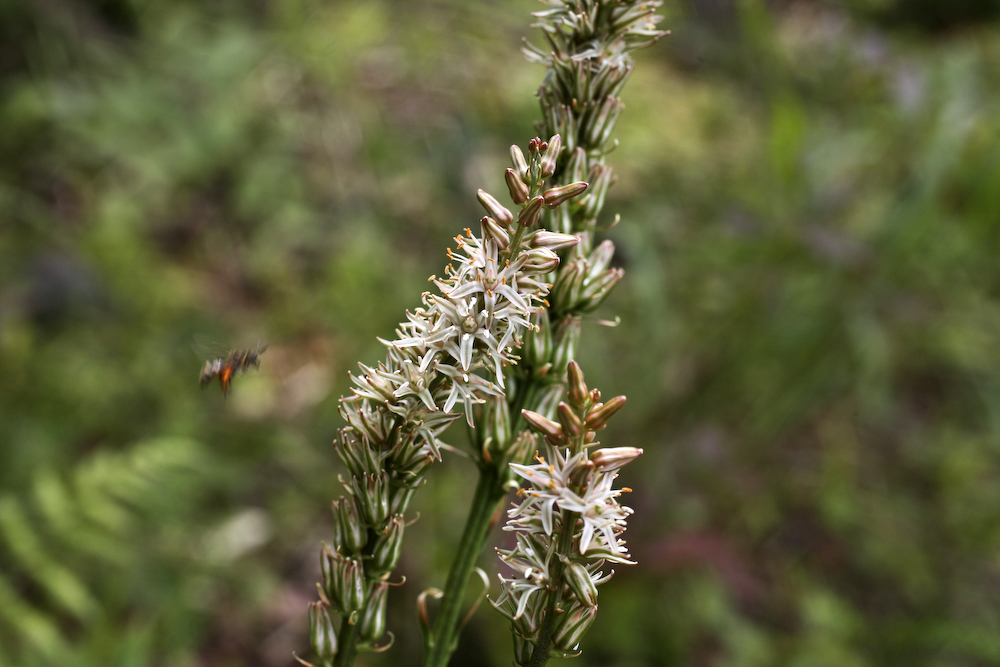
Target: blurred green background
(810, 201)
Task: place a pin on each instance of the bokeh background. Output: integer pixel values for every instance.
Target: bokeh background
(809, 338)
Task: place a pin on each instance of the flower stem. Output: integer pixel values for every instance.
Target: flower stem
(444, 636)
(347, 641)
(540, 654)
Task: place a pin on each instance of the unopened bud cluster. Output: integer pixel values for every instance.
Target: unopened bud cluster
(588, 61)
(448, 359)
(568, 525)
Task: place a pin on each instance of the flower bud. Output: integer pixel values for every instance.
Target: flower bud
(518, 188)
(572, 626)
(571, 424)
(566, 337)
(538, 340)
(371, 625)
(576, 166)
(494, 209)
(400, 495)
(520, 164)
(350, 527)
(343, 581)
(527, 623)
(543, 238)
(355, 454)
(577, 388)
(498, 419)
(523, 649)
(388, 545)
(594, 293)
(493, 230)
(550, 398)
(603, 122)
(599, 415)
(600, 258)
(602, 179)
(547, 165)
(565, 292)
(529, 214)
(540, 260)
(581, 584)
(560, 193)
(372, 494)
(322, 635)
(548, 428)
(613, 458)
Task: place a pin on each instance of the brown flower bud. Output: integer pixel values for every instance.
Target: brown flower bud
(577, 388)
(493, 230)
(559, 194)
(599, 415)
(529, 214)
(543, 238)
(494, 209)
(550, 429)
(520, 164)
(547, 165)
(518, 188)
(613, 458)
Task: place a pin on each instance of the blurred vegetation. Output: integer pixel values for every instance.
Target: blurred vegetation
(810, 195)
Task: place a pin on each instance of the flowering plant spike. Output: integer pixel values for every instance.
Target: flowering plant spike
(568, 526)
(493, 342)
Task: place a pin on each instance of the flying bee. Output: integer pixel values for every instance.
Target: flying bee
(234, 363)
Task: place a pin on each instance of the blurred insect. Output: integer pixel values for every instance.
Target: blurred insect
(225, 368)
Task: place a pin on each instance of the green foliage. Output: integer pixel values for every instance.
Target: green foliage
(77, 553)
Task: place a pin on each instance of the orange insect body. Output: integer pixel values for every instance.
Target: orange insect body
(237, 361)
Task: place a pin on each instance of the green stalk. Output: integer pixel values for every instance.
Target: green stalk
(444, 636)
(347, 645)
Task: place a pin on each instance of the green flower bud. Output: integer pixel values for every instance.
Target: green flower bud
(388, 545)
(565, 291)
(399, 497)
(352, 530)
(599, 415)
(576, 166)
(571, 627)
(602, 179)
(499, 433)
(517, 187)
(494, 209)
(322, 636)
(371, 625)
(599, 259)
(559, 194)
(581, 584)
(595, 292)
(522, 649)
(566, 337)
(343, 581)
(548, 401)
(355, 453)
(372, 494)
(538, 340)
